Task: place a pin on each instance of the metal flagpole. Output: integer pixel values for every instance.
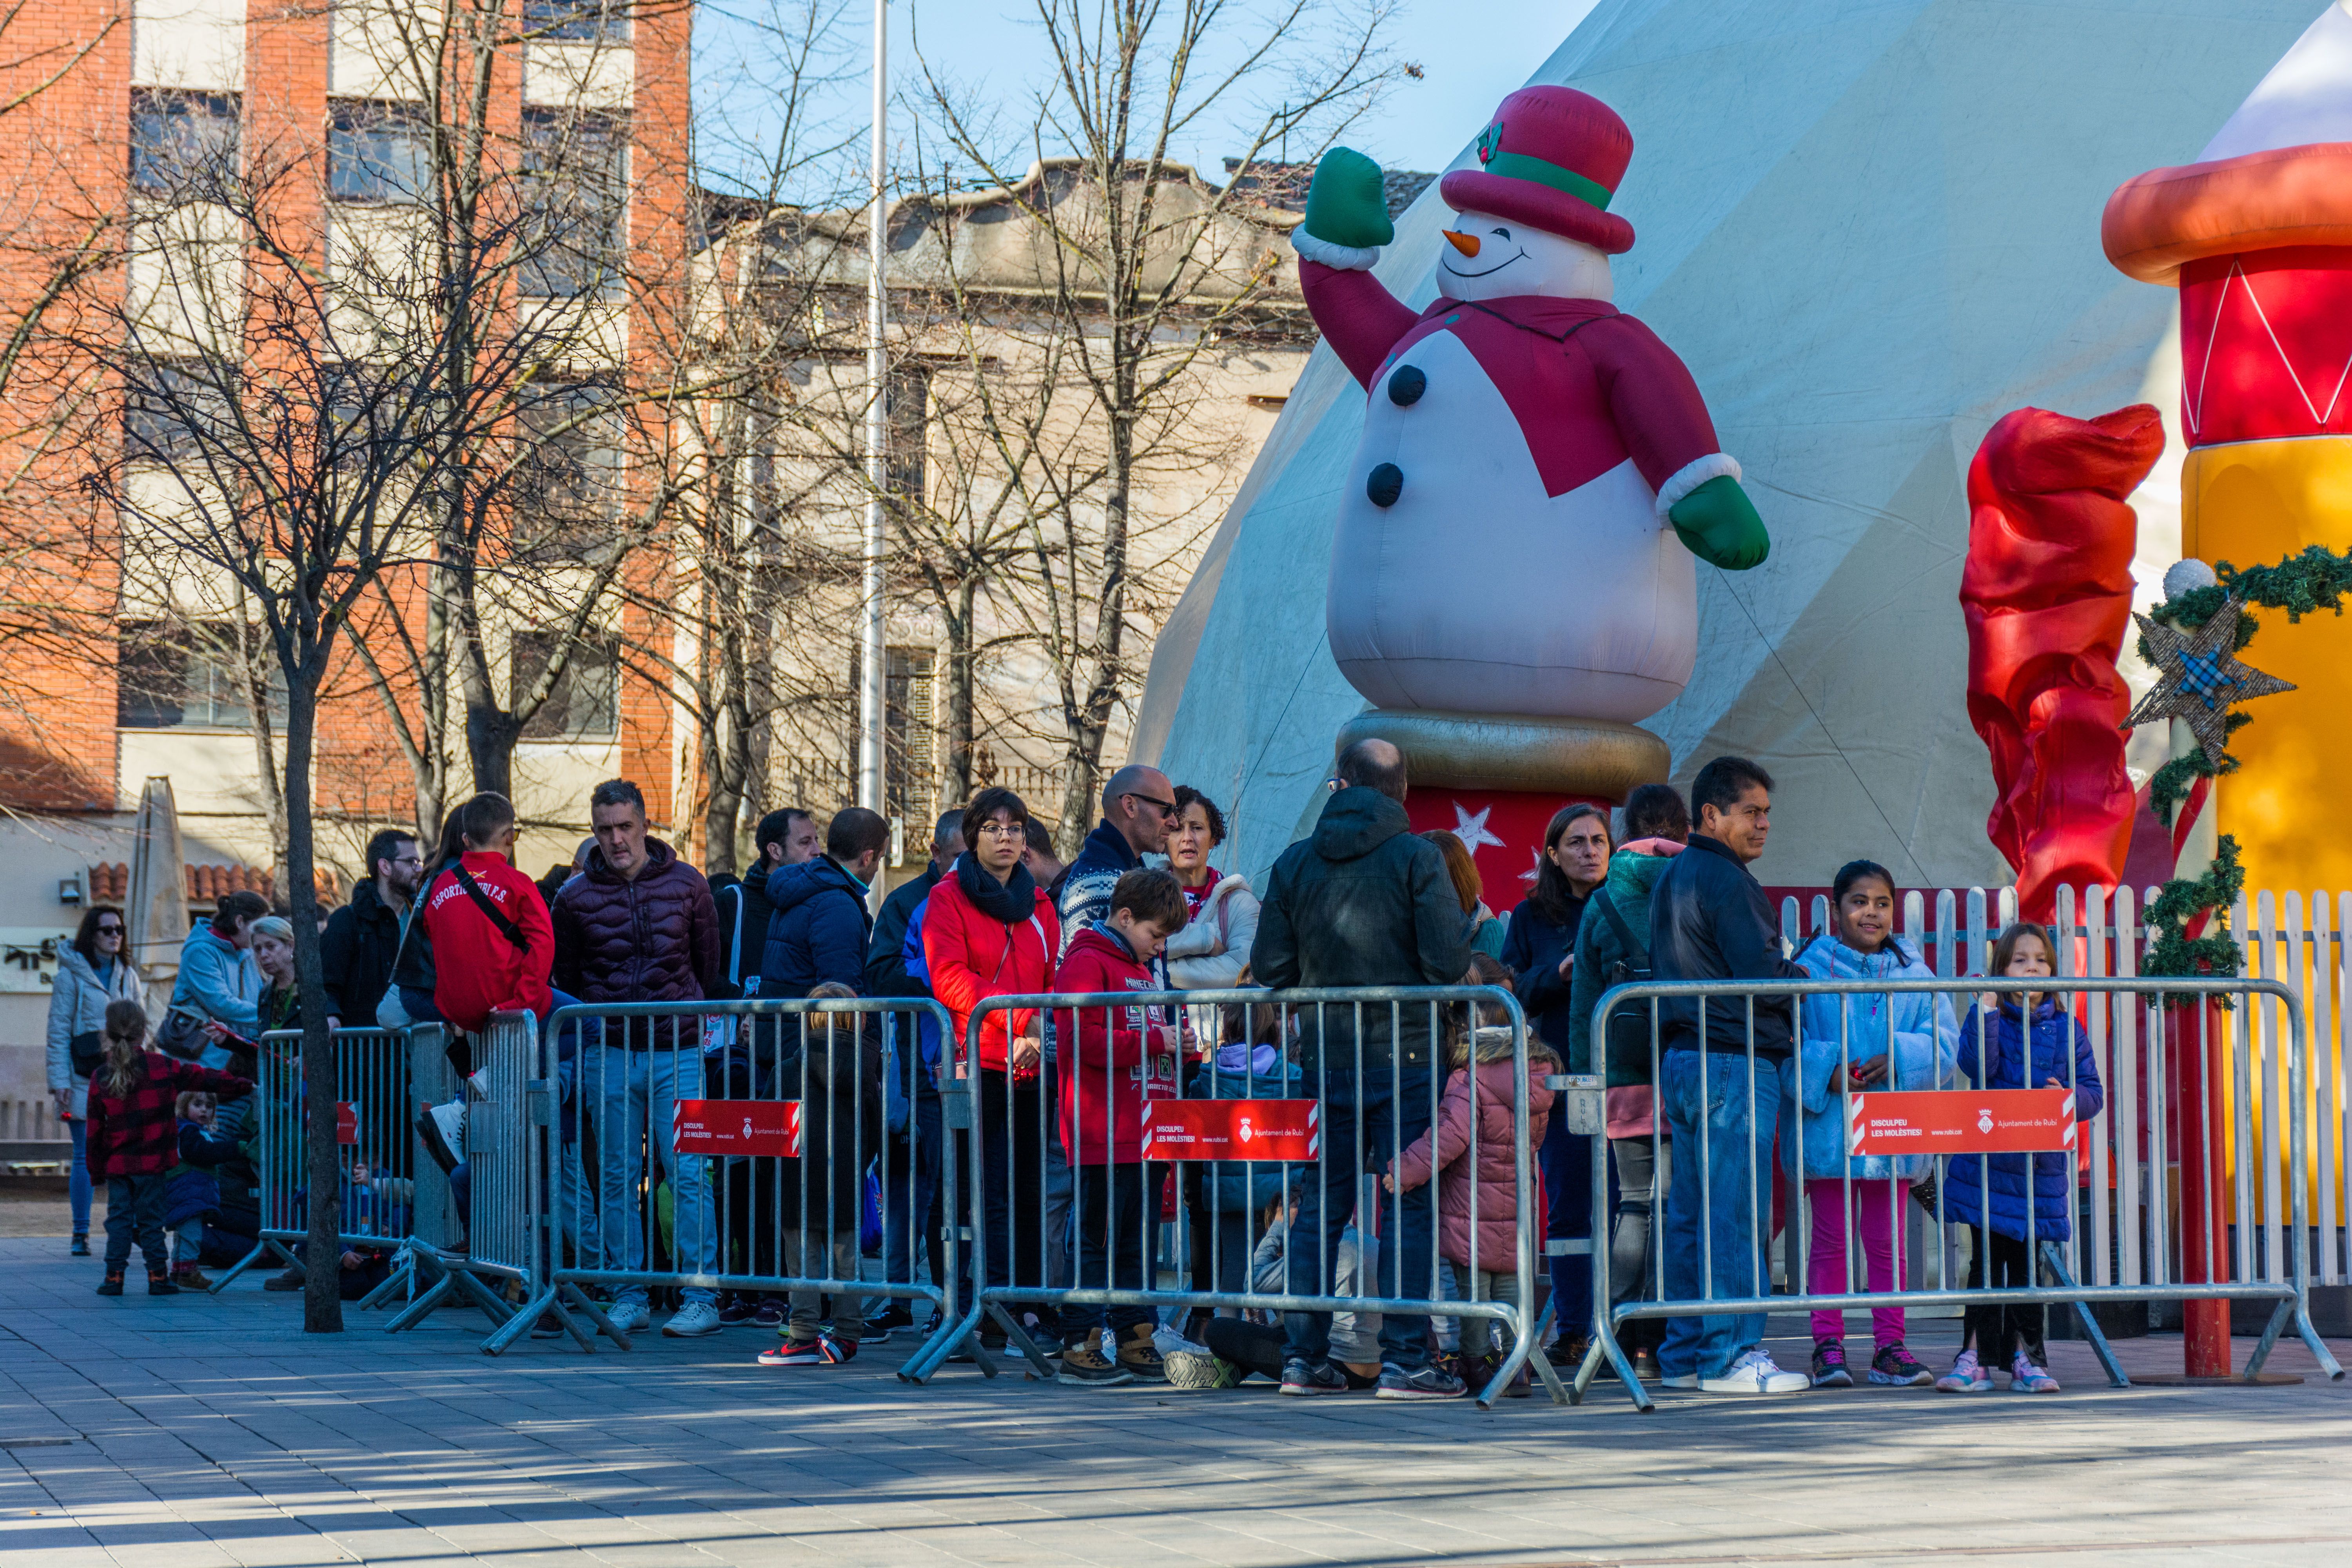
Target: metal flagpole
(874, 648)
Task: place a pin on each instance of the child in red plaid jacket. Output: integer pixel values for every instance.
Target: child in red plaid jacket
(132, 1137)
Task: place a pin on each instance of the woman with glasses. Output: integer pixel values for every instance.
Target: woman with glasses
(95, 969)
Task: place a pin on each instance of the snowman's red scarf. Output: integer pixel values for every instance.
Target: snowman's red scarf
(1530, 383)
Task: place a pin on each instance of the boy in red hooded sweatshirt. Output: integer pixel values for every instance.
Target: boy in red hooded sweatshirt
(1113, 1058)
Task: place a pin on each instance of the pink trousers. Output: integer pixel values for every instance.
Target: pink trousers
(1878, 1206)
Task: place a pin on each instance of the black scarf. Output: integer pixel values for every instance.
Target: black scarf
(1008, 902)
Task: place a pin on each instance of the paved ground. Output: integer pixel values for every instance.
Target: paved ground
(193, 1431)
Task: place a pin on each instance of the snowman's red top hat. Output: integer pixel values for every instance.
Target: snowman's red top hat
(1551, 159)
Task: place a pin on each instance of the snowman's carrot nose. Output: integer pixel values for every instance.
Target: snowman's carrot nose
(1467, 244)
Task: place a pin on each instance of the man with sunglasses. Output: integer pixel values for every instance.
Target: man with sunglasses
(363, 938)
(1139, 803)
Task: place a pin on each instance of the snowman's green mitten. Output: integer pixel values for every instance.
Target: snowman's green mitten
(1347, 203)
(1719, 524)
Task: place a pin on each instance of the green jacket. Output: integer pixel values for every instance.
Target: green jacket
(1630, 879)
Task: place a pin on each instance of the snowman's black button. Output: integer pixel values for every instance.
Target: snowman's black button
(1407, 384)
(1385, 484)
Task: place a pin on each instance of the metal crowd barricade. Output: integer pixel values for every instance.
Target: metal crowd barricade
(374, 1159)
(2197, 1032)
(699, 1147)
(1353, 1110)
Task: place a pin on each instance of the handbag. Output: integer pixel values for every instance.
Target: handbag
(1629, 1027)
(182, 1033)
(89, 1049)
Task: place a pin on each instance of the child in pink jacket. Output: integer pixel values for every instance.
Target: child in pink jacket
(1486, 1167)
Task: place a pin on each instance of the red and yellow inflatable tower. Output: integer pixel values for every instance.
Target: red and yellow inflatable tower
(2257, 237)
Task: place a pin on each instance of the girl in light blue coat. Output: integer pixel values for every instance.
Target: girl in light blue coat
(1891, 1040)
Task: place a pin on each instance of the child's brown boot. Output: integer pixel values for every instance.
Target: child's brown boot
(158, 1283)
(113, 1286)
(1137, 1356)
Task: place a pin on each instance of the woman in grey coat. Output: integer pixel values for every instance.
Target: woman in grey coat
(92, 970)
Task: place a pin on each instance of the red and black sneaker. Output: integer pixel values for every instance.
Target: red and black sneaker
(1829, 1364)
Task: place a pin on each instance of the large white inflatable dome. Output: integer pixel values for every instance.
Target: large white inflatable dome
(1870, 229)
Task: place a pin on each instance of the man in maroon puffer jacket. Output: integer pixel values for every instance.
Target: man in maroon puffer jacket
(638, 925)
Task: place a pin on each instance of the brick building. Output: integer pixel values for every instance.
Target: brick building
(108, 676)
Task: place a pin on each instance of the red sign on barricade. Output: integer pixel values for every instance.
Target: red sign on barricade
(1263, 1130)
(736, 1127)
(1960, 1122)
(347, 1122)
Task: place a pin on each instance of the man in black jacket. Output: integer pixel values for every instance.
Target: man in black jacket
(363, 938)
(911, 1162)
(1709, 920)
(744, 912)
(1363, 901)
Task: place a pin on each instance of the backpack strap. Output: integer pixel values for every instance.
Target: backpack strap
(1639, 950)
(507, 928)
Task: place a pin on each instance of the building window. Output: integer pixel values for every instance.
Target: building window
(584, 702)
(905, 413)
(378, 152)
(605, 20)
(576, 192)
(910, 770)
(169, 675)
(181, 142)
(570, 461)
(170, 411)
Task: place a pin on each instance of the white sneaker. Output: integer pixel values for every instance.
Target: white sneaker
(693, 1320)
(1683, 1380)
(1756, 1372)
(478, 1081)
(631, 1318)
(443, 1130)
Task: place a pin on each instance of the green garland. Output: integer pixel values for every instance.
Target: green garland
(2301, 584)
(2180, 900)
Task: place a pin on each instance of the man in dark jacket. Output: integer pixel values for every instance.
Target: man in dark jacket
(1364, 901)
(820, 930)
(743, 908)
(638, 926)
(1709, 920)
(363, 938)
(912, 1161)
(1139, 803)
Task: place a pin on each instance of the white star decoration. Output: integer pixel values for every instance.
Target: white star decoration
(1535, 867)
(1472, 830)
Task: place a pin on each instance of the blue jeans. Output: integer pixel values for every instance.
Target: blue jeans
(637, 1093)
(1713, 1186)
(911, 1186)
(1565, 1159)
(78, 1179)
(1391, 1115)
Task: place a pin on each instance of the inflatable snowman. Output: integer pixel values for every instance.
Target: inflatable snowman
(1537, 468)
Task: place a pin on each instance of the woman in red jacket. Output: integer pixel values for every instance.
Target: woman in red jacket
(989, 930)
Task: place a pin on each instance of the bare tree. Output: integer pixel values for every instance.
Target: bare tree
(1150, 267)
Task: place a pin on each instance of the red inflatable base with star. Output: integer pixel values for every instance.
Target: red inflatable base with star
(1504, 830)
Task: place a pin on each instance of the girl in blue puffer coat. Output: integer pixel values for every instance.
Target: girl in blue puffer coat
(1851, 1044)
(2027, 1043)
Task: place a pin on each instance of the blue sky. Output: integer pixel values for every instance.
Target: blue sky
(990, 46)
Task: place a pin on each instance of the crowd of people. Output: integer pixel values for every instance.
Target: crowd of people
(162, 1110)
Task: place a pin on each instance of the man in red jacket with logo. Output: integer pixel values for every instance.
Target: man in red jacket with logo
(1113, 1060)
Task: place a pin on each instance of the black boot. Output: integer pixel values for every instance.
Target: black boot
(113, 1285)
(158, 1283)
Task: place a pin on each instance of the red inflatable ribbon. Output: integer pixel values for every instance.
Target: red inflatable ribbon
(2047, 593)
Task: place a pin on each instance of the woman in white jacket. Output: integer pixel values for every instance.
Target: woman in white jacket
(93, 970)
(1211, 952)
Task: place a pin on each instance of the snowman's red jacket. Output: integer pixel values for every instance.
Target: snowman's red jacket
(1591, 385)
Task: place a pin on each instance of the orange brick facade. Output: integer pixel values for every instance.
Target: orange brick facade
(60, 749)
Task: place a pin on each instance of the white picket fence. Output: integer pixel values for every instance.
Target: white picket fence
(2304, 941)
